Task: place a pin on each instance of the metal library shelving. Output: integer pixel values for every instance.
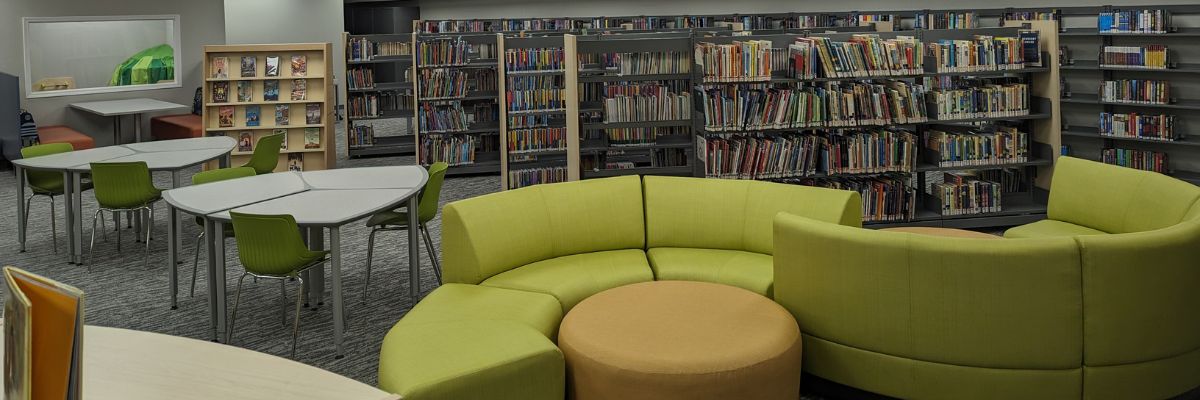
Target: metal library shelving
(564, 159)
(481, 155)
(391, 76)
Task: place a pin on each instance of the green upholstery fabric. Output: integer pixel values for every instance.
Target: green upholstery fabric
(271, 244)
(750, 271)
(1050, 228)
(573, 278)
(471, 360)
(490, 234)
(1155, 379)
(735, 214)
(459, 302)
(979, 307)
(45, 182)
(1086, 193)
(266, 154)
(123, 185)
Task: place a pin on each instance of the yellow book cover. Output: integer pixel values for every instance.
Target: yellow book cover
(43, 331)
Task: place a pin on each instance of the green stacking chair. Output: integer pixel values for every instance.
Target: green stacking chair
(47, 184)
(123, 187)
(270, 247)
(266, 154)
(209, 177)
(397, 220)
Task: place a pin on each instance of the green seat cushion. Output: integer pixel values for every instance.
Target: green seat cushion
(1050, 228)
(468, 360)
(459, 302)
(389, 218)
(750, 271)
(573, 278)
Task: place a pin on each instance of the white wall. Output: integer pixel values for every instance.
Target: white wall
(201, 22)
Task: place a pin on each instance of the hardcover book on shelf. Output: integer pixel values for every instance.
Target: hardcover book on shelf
(312, 113)
(281, 114)
(245, 91)
(253, 114)
(220, 67)
(220, 92)
(272, 66)
(295, 162)
(312, 138)
(225, 117)
(43, 337)
(299, 65)
(246, 142)
(282, 143)
(249, 67)
(299, 89)
(271, 90)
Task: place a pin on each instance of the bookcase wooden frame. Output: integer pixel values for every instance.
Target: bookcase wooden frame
(489, 163)
(320, 90)
(402, 144)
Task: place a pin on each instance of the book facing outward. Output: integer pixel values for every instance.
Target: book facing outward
(271, 90)
(312, 138)
(225, 117)
(252, 115)
(299, 66)
(249, 66)
(43, 338)
(245, 91)
(272, 66)
(282, 143)
(220, 67)
(282, 112)
(312, 113)
(295, 162)
(220, 92)
(246, 142)
(299, 89)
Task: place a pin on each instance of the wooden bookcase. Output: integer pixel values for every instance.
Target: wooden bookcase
(319, 90)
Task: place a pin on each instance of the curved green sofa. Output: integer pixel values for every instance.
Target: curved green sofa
(1099, 301)
(515, 262)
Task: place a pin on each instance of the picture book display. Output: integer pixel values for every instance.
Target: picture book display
(312, 113)
(299, 89)
(220, 67)
(271, 90)
(272, 66)
(312, 138)
(295, 162)
(43, 337)
(246, 142)
(252, 115)
(281, 114)
(225, 117)
(299, 65)
(249, 67)
(220, 92)
(245, 91)
(282, 143)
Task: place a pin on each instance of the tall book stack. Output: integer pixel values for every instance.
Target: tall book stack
(456, 102)
(379, 97)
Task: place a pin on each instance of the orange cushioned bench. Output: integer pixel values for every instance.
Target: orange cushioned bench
(64, 134)
(180, 126)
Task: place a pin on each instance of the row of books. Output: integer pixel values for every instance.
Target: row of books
(988, 101)
(219, 67)
(865, 55)
(253, 115)
(1134, 21)
(375, 104)
(962, 193)
(451, 149)
(1134, 125)
(1152, 56)
(624, 159)
(644, 136)
(442, 83)
(829, 104)
(360, 78)
(536, 139)
(885, 198)
(945, 20)
(663, 106)
(648, 63)
(443, 118)
(1145, 160)
(740, 61)
(954, 149)
(1052, 15)
(534, 99)
(361, 135)
(1139, 91)
(596, 92)
(364, 49)
(247, 141)
(1012, 180)
(787, 156)
(270, 89)
(485, 79)
(536, 59)
(518, 178)
(982, 53)
(442, 52)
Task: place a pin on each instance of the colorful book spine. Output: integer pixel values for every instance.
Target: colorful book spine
(946, 20)
(1139, 91)
(443, 118)
(634, 137)
(360, 78)
(1137, 159)
(519, 178)
(1006, 145)
(740, 61)
(645, 102)
(980, 54)
(364, 49)
(1134, 21)
(962, 193)
(865, 55)
(987, 101)
(442, 52)
(536, 139)
(534, 93)
(822, 105)
(797, 155)
(1152, 56)
(451, 149)
(442, 83)
(1148, 127)
(537, 59)
(361, 135)
(885, 198)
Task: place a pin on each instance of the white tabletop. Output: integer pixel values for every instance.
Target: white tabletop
(62, 161)
(133, 365)
(396, 177)
(220, 196)
(111, 108)
(164, 160)
(327, 207)
(208, 142)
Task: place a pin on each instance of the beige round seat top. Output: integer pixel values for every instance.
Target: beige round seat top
(681, 340)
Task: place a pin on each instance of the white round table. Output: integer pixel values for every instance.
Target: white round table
(318, 200)
(170, 155)
(133, 365)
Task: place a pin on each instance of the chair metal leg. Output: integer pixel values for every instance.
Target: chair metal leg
(283, 302)
(437, 266)
(118, 223)
(92, 244)
(296, 324)
(103, 229)
(370, 254)
(25, 218)
(237, 298)
(195, 263)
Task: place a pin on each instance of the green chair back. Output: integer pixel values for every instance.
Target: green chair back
(123, 185)
(271, 244)
(266, 154)
(427, 208)
(45, 182)
(219, 175)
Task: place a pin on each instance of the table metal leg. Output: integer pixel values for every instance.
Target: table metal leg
(137, 128)
(76, 184)
(116, 130)
(21, 219)
(68, 213)
(223, 162)
(414, 250)
(335, 270)
(315, 280)
(177, 242)
(173, 253)
(217, 242)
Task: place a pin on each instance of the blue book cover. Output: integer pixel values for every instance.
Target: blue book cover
(252, 115)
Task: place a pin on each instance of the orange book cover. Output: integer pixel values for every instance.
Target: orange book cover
(42, 355)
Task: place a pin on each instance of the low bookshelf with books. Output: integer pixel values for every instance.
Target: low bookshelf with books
(379, 94)
(456, 102)
(252, 91)
(539, 96)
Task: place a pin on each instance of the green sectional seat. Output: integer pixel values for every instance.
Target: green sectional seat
(516, 262)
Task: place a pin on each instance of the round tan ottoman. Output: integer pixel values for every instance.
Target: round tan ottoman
(680, 340)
